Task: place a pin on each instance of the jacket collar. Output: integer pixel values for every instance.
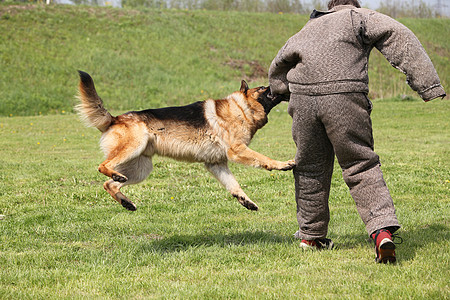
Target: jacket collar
(317, 13)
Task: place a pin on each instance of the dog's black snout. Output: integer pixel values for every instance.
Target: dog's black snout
(268, 93)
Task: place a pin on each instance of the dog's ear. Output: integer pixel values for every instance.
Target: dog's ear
(244, 87)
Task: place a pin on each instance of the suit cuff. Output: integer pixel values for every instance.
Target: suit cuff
(433, 92)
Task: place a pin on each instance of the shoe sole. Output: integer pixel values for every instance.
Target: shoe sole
(386, 252)
(305, 246)
(308, 247)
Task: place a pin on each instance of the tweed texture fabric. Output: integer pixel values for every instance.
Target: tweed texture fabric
(325, 126)
(330, 55)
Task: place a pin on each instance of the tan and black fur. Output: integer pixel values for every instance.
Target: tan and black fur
(211, 131)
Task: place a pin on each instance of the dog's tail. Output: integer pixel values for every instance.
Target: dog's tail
(91, 108)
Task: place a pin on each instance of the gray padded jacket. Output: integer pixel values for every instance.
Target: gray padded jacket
(330, 55)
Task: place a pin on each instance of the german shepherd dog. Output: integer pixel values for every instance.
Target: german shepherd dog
(211, 131)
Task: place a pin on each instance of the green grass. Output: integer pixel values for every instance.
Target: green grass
(64, 237)
(152, 58)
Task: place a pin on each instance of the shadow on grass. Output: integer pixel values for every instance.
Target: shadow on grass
(414, 241)
(184, 242)
(422, 239)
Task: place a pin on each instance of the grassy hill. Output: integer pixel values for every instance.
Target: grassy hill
(150, 58)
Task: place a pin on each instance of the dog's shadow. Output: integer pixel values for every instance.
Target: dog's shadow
(415, 241)
(181, 242)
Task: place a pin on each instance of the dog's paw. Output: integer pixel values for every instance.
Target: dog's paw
(288, 165)
(247, 203)
(250, 205)
(129, 205)
(119, 178)
(125, 202)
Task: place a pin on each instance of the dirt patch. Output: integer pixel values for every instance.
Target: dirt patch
(250, 69)
(438, 49)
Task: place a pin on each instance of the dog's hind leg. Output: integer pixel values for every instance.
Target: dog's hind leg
(226, 178)
(121, 146)
(136, 171)
(113, 188)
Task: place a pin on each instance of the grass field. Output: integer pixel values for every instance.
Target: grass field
(63, 237)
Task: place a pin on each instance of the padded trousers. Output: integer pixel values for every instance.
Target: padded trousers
(337, 125)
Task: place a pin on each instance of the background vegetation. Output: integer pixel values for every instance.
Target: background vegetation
(63, 237)
(394, 8)
(402, 9)
(150, 58)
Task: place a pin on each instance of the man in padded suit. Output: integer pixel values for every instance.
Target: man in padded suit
(323, 71)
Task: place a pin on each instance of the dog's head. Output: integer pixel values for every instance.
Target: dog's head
(263, 95)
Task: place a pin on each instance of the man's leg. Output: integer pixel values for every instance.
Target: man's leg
(314, 167)
(347, 120)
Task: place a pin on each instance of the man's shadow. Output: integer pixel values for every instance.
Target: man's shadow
(409, 245)
(414, 241)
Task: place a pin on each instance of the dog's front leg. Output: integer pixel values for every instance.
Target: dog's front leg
(240, 153)
(226, 178)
